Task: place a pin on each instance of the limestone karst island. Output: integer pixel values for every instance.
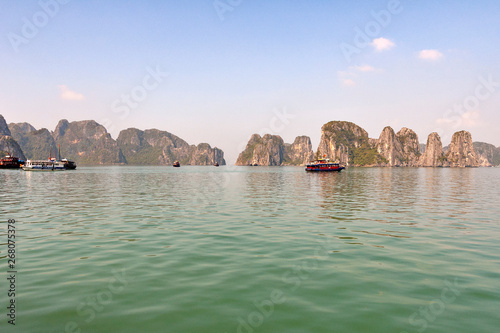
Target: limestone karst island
(350, 145)
(89, 143)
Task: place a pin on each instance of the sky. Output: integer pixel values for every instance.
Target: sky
(219, 71)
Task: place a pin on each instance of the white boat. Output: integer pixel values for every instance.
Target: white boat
(44, 165)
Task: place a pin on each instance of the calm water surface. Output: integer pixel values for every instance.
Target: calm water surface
(205, 249)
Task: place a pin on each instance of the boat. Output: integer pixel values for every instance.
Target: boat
(10, 162)
(69, 165)
(216, 164)
(176, 164)
(323, 164)
(52, 164)
(44, 165)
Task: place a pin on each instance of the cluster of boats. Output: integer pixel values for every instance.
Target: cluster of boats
(52, 164)
(178, 165)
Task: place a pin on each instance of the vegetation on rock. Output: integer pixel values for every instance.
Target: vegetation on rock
(155, 147)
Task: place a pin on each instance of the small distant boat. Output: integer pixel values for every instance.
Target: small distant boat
(69, 165)
(10, 162)
(323, 164)
(176, 164)
(216, 164)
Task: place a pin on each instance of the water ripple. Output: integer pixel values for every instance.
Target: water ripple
(203, 249)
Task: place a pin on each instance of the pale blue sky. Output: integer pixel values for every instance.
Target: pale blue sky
(228, 78)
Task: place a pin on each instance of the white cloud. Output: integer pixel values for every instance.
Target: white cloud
(431, 55)
(381, 44)
(465, 119)
(68, 94)
(349, 82)
(347, 78)
(364, 68)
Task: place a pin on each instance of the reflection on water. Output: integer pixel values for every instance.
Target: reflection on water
(202, 245)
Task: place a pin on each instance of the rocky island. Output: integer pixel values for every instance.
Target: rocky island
(155, 147)
(488, 154)
(271, 150)
(89, 143)
(349, 144)
(8, 145)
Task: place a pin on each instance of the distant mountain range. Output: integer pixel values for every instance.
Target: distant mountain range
(153, 146)
(88, 143)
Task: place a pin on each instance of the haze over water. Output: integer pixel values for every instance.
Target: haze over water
(205, 249)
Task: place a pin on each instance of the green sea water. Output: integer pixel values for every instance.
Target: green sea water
(252, 249)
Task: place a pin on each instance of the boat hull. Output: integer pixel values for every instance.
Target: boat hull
(43, 168)
(51, 165)
(70, 165)
(10, 166)
(324, 168)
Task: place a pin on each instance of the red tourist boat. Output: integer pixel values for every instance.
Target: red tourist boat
(9, 162)
(323, 164)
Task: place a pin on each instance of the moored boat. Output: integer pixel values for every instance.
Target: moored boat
(176, 164)
(44, 165)
(69, 165)
(10, 162)
(323, 164)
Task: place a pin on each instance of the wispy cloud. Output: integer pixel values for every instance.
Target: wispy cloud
(349, 77)
(70, 95)
(381, 44)
(431, 55)
(349, 82)
(465, 119)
